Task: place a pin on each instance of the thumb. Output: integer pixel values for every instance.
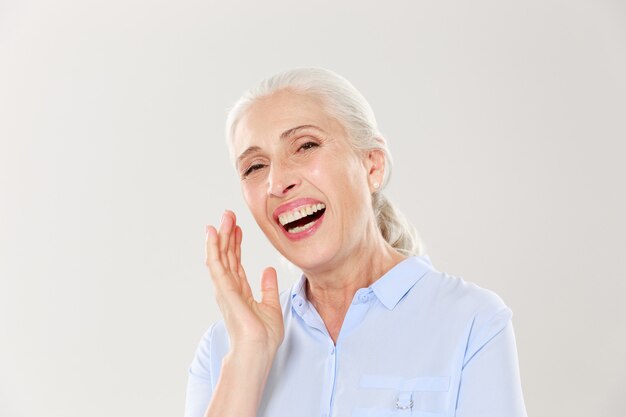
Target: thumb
(269, 287)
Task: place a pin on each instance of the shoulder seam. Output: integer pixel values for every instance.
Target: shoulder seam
(494, 317)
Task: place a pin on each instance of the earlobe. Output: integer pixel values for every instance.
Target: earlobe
(376, 165)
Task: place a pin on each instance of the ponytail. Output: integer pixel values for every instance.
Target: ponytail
(394, 227)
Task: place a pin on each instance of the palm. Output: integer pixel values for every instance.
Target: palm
(249, 322)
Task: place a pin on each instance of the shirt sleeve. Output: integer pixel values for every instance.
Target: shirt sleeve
(490, 382)
(199, 380)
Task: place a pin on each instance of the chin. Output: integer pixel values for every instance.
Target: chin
(313, 257)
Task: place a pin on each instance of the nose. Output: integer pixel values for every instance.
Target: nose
(281, 180)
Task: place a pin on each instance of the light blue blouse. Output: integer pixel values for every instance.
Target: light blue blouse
(417, 343)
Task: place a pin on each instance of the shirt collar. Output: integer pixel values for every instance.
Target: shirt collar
(299, 301)
(389, 289)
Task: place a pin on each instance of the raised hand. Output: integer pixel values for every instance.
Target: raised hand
(252, 326)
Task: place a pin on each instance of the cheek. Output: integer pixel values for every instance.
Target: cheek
(254, 198)
(331, 169)
(344, 183)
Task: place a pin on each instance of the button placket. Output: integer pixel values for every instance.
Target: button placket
(362, 296)
(298, 304)
(329, 386)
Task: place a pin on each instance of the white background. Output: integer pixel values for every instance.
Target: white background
(506, 121)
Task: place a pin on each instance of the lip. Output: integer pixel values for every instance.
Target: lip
(294, 204)
(305, 233)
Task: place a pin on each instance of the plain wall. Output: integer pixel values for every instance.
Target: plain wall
(505, 119)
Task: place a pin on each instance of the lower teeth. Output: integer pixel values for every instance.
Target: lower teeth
(301, 228)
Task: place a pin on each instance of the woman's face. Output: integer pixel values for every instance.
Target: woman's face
(307, 189)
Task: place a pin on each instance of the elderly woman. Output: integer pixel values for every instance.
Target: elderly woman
(371, 328)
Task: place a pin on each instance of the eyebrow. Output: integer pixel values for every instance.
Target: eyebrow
(285, 135)
(244, 154)
(295, 130)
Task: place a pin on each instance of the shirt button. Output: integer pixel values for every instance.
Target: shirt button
(364, 297)
(332, 351)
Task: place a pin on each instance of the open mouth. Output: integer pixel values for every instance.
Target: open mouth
(302, 218)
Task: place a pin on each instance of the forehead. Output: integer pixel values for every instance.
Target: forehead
(266, 119)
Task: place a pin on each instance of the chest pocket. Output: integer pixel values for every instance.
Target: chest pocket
(404, 397)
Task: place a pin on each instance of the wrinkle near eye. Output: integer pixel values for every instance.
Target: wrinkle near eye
(253, 168)
(307, 142)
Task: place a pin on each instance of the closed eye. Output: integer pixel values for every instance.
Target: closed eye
(308, 145)
(252, 168)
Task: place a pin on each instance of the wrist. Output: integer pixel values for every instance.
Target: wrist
(253, 351)
(249, 360)
(241, 383)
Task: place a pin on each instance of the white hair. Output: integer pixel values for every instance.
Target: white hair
(346, 104)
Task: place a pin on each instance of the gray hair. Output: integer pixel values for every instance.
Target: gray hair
(346, 104)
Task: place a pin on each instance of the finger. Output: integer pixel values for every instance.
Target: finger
(213, 261)
(269, 287)
(226, 225)
(240, 273)
(238, 239)
(231, 251)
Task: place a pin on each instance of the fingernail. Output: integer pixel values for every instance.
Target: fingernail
(223, 215)
(206, 229)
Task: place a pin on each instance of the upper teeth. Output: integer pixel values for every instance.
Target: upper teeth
(300, 212)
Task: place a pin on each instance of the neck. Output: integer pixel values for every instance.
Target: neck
(331, 291)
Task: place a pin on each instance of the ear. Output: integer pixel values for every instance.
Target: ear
(375, 168)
